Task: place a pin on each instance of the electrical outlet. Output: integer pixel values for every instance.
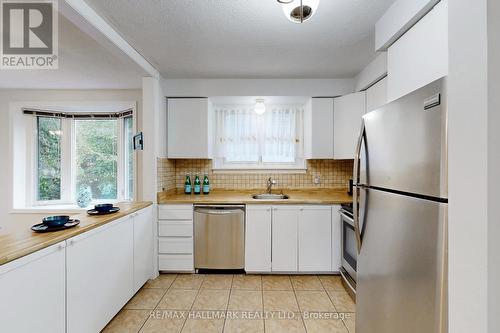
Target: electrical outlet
(317, 180)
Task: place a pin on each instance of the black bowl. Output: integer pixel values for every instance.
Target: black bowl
(103, 207)
(55, 221)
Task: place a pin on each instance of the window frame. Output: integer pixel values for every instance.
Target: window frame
(68, 165)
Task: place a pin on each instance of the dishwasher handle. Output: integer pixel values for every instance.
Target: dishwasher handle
(220, 210)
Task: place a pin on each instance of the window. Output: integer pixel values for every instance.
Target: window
(246, 140)
(83, 153)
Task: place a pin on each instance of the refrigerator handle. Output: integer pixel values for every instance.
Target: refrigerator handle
(356, 177)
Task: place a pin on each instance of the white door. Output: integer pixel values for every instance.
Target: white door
(349, 110)
(336, 239)
(321, 128)
(258, 238)
(315, 239)
(99, 269)
(143, 247)
(32, 292)
(284, 238)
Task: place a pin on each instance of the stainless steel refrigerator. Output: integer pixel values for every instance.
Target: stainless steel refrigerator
(400, 215)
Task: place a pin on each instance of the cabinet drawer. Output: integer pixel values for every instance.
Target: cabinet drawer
(175, 212)
(175, 228)
(176, 245)
(175, 262)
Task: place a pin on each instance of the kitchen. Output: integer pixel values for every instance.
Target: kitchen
(247, 198)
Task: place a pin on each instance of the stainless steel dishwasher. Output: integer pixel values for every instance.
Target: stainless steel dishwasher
(219, 237)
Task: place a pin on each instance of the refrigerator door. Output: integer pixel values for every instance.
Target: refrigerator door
(401, 267)
(404, 146)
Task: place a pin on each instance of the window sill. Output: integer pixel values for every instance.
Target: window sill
(70, 209)
(257, 171)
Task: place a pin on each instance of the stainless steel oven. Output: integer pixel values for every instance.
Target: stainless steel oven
(349, 249)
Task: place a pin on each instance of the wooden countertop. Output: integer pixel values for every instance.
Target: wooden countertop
(18, 240)
(312, 196)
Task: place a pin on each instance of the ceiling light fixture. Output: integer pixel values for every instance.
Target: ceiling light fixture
(260, 107)
(299, 11)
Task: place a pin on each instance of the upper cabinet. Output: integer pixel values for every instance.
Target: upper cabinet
(189, 126)
(420, 56)
(376, 95)
(318, 121)
(349, 110)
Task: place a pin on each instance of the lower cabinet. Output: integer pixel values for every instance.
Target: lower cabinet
(100, 273)
(32, 291)
(315, 239)
(284, 238)
(143, 247)
(258, 238)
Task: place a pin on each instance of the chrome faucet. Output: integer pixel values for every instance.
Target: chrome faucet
(270, 183)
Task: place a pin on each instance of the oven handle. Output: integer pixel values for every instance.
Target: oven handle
(356, 177)
(347, 217)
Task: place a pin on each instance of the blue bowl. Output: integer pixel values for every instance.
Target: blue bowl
(103, 207)
(55, 221)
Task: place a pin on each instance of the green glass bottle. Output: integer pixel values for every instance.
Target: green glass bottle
(206, 184)
(187, 185)
(197, 185)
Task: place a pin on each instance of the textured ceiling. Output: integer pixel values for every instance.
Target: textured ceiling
(83, 64)
(247, 38)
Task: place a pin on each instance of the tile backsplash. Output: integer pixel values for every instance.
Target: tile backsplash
(332, 173)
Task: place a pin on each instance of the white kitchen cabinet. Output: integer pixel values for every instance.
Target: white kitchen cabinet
(175, 238)
(32, 291)
(189, 128)
(376, 95)
(318, 122)
(420, 56)
(143, 246)
(349, 110)
(315, 239)
(258, 238)
(336, 239)
(284, 238)
(99, 271)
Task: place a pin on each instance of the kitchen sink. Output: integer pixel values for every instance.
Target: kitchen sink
(270, 196)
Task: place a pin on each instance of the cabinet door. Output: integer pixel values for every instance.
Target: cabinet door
(99, 269)
(347, 121)
(143, 247)
(284, 238)
(258, 239)
(321, 130)
(376, 95)
(188, 128)
(32, 292)
(315, 239)
(336, 239)
(420, 56)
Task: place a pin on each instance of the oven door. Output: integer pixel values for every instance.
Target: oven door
(349, 247)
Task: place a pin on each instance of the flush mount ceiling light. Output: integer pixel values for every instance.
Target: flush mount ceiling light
(299, 11)
(260, 107)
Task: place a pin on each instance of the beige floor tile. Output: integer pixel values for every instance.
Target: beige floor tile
(342, 301)
(188, 281)
(247, 282)
(163, 281)
(178, 299)
(350, 322)
(280, 301)
(331, 282)
(211, 300)
(241, 324)
(247, 300)
(165, 324)
(279, 325)
(145, 299)
(194, 325)
(325, 325)
(127, 321)
(276, 282)
(317, 301)
(217, 281)
(306, 282)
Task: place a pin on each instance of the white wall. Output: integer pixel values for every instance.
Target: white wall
(257, 87)
(9, 96)
(474, 166)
